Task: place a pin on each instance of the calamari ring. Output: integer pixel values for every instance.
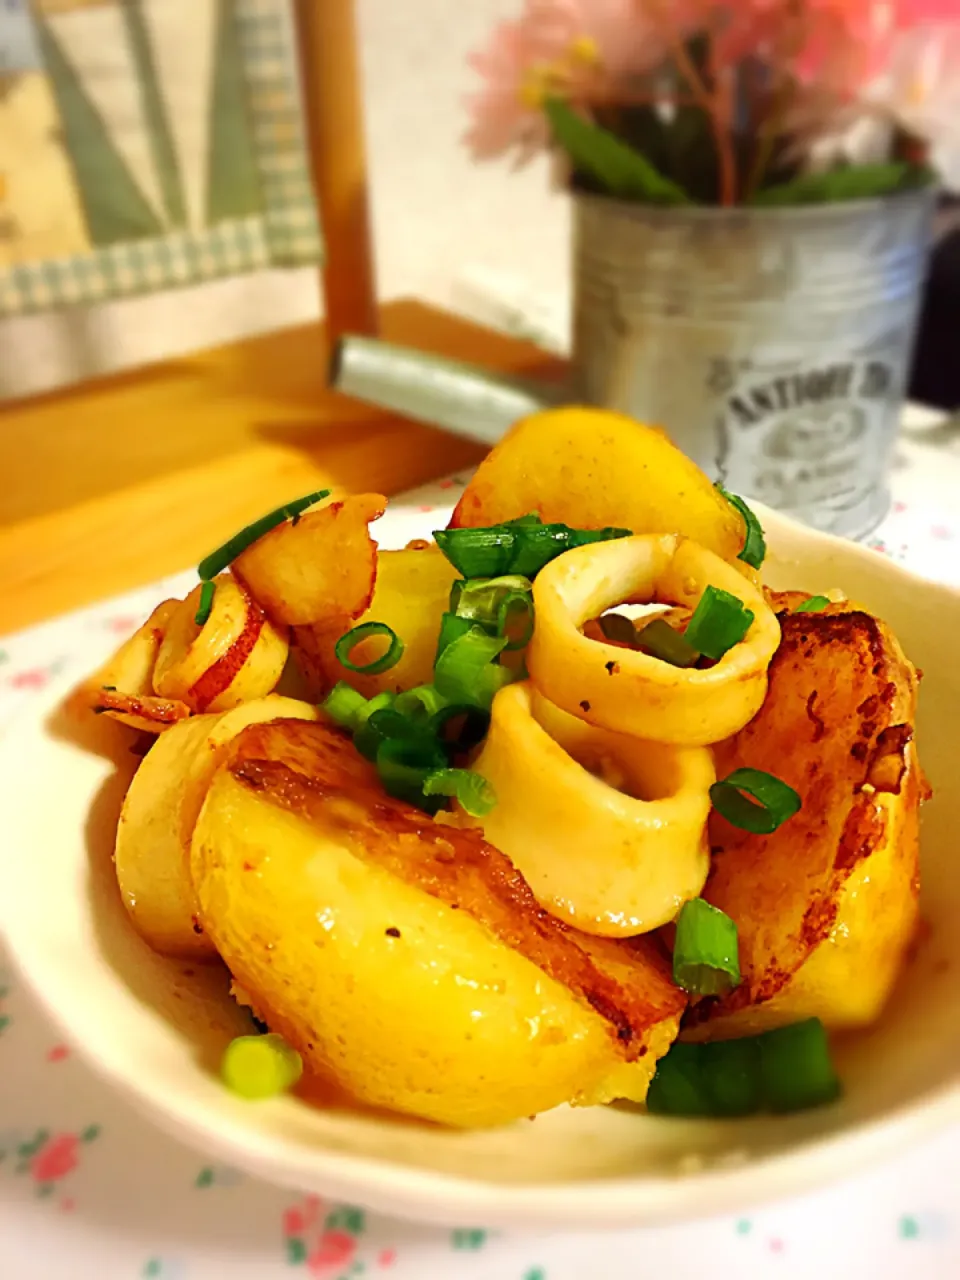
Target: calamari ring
(236, 656)
(608, 831)
(630, 692)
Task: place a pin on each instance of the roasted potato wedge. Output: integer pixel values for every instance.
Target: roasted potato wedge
(317, 568)
(158, 817)
(412, 591)
(406, 959)
(236, 656)
(590, 468)
(123, 686)
(827, 905)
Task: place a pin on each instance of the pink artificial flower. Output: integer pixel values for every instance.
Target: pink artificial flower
(581, 50)
(503, 114)
(55, 1159)
(921, 93)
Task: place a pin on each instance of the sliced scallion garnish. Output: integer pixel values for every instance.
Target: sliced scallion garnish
(678, 1088)
(816, 604)
(618, 628)
(719, 622)
(461, 671)
(343, 704)
(474, 793)
(706, 950)
(348, 642)
(452, 627)
(260, 1066)
(480, 598)
(420, 703)
(517, 547)
(661, 641)
(459, 727)
(795, 1067)
(365, 739)
(754, 801)
(754, 545)
(788, 1069)
(404, 765)
(205, 606)
(515, 620)
(225, 555)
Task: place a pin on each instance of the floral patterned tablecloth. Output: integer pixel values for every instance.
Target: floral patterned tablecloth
(89, 1190)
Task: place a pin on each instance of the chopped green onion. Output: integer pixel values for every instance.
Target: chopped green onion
(474, 793)
(388, 659)
(515, 620)
(460, 671)
(225, 555)
(788, 1069)
(343, 704)
(530, 518)
(452, 628)
(379, 702)
(661, 641)
(706, 958)
(260, 1066)
(516, 547)
(719, 622)
(618, 628)
(795, 1067)
(496, 604)
(367, 739)
(480, 598)
(677, 1088)
(404, 765)
(469, 734)
(814, 605)
(478, 553)
(492, 679)
(776, 802)
(731, 1076)
(420, 703)
(205, 607)
(537, 546)
(754, 544)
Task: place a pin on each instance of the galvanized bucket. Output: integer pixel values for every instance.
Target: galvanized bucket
(773, 345)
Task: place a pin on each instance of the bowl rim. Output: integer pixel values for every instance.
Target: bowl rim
(441, 1197)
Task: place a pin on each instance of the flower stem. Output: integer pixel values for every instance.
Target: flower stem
(717, 107)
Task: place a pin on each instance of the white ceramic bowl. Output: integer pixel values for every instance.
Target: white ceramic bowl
(155, 1029)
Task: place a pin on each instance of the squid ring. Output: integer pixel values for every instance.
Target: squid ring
(608, 831)
(236, 656)
(631, 692)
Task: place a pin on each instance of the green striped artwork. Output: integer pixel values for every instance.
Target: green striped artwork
(114, 206)
(233, 178)
(169, 199)
(158, 126)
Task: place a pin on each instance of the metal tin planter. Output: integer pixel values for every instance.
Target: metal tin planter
(773, 345)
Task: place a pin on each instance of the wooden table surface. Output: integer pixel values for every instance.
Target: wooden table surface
(115, 483)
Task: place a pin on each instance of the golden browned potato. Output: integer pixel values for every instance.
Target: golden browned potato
(236, 656)
(411, 594)
(318, 567)
(827, 905)
(158, 817)
(405, 959)
(123, 687)
(590, 468)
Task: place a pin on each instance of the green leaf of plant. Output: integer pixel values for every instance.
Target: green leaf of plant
(857, 182)
(615, 166)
